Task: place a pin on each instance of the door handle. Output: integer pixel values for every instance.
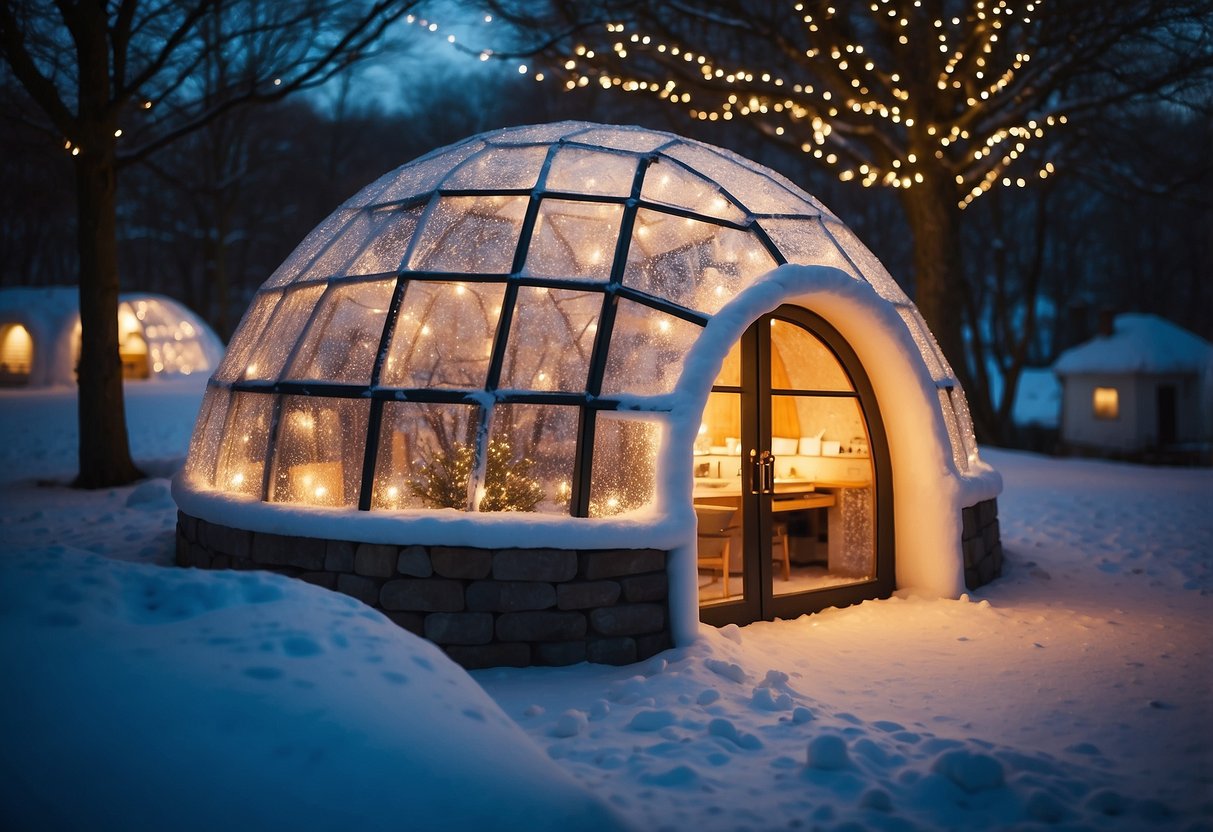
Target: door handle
(762, 472)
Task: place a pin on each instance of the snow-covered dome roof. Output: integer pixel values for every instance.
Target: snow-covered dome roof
(484, 297)
(158, 336)
(1139, 343)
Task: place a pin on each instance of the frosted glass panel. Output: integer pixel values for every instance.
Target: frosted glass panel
(671, 184)
(949, 417)
(574, 239)
(499, 168)
(695, 264)
(425, 175)
(341, 343)
(426, 456)
(800, 361)
(583, 171)
(337, 257)
(805, 242)
(444, 335)
(272, 351)
(318, 458)
(472, 234)
(247, 336)
(551, 339)
(647, 350)
(964, 422)
(530, 459)
(926, 343)
(622, 139)
(624, 471)
(242, 457)
(393, 231)
(312, 245)
(873, 270)
(757, 192)
(208, 433)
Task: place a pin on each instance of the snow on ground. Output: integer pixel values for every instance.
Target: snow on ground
(1076, 692)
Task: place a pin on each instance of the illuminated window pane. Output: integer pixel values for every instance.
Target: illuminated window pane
(761, 193)
(247, 336)
(342, 340)
(393, 231)
(805, 242)
(1106, 403)
(499, 168)
(959, 457)
(318, 457)
(647, 350)
(307, 251)
(800, 361)
(470, 234)
(551, 340)
(208, 433)
(672, 184)
(623, 476)
(927, 347)
(424, 175)
(444, 335)
(583, 171)
(530, 459)
(426, 456)
(242, 456)
(871, 268)
(271, 352)
(574, 239)
(16, 354)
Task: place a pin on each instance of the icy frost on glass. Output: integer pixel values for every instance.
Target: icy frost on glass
(573, 239)
(551, 339)
(927, 347)
(444, 335)
(274, 348)
(584, 171)
(312, 245)
(247, 336)
(425, 457)
(640, 141)
(208, 434)
(964, 422)
(529, 464)
(534, 133)
(392, 231)
(498, 169)
(624, 471)
(471, 234)
(671, 184)
(873, 270)
(760, 194)
(172, 341)
(318, 455)
(341, 343)
(648, 349)
(426, 174)
(949, 417)
(695, 264)
(242, 457)
(805, 242)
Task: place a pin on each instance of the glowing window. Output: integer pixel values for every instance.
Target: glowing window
(1106, 403)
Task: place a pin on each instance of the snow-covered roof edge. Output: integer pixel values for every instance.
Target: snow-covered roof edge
(1140, 343)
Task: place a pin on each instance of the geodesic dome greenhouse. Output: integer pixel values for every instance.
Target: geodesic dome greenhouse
(510, 345)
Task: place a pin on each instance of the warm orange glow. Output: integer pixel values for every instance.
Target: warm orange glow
(1106, 403)
(16, 351)
(318, 483)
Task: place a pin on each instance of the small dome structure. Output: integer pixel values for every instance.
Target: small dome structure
(158, 337)
(561, 354)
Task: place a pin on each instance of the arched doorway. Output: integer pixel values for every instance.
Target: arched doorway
(793, 488)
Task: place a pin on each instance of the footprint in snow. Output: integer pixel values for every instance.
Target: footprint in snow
(727, 670)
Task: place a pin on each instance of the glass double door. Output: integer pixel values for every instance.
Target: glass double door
(792, 487)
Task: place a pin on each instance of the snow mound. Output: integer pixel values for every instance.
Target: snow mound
(186, 700)
(1142, 344)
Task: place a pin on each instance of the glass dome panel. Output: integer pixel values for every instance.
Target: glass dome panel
(444, 335)
(624, 472)
(242, 459)
(927, 347)
(805, 242)
(756, 191)
(313, 244)
(425, 456)
(873, 270)
(584, 171)
(393, 231)
(551, 339)
(574, 240)
(499, 169)
(671, 184)
(319, 450)
(530, 459)
(248, 336)
(426, 174)
(207, 438)
(342, 340)
(271, 353)
(800, 361)
(470, 234)
(622, 138)
(647, 350)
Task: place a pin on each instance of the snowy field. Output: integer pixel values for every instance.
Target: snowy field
(1074, 693)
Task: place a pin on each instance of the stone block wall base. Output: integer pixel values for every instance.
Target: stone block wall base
(483, 607)
(982, 543)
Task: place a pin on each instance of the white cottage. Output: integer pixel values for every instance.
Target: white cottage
(1143, 386)
(557, 393)
(158, 337)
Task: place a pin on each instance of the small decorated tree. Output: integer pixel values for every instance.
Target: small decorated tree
(508, 484)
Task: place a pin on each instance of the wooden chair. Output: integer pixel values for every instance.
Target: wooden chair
(716, 524)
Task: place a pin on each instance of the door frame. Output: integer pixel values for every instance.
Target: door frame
(758, 601)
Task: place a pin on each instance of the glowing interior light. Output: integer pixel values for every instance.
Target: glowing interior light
(460, 289)
(237, 479)
(425, 329)
(393, 493)
(703, 428)
(320, 491)
(612, 502)
(663, 326)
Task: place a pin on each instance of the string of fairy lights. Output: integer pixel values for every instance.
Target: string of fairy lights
(826, 117)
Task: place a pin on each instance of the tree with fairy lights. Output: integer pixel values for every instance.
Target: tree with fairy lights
(508, 485)
(942, 100)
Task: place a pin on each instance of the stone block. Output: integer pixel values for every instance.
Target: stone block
(365, 590)
(339, 555)
(968, 516)
(414, 561)
(985, 571)
(225, 540)
(990, 536)
(628, 619)
(540, 625)
(221, 562)
(414, 622)
(651, 645)
(459, 627)
(461, 562)
(611, 650)
(596, 564)
(972, 551)
(987, 512)
(328, 580)
(422, 595)
(187, 526)
(199, 556)
(587, 594)
(555, 565)
(652, 587)
(375, 560)
(972, 579)
(559, 653)
(280, 550)
(510, 596)
(477, 656)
